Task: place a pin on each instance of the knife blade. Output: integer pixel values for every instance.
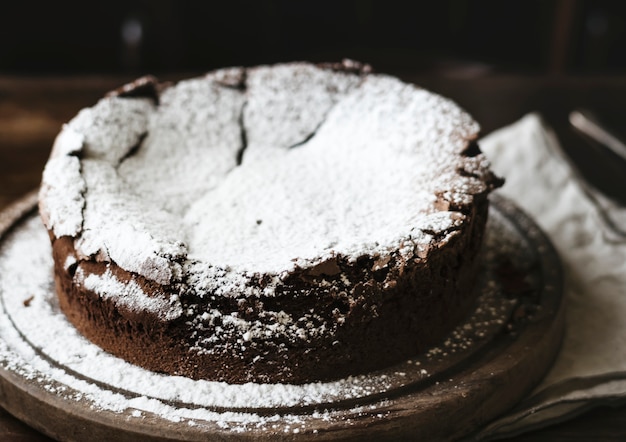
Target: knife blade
(599, 154)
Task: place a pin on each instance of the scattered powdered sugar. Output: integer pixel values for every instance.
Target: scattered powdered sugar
(39, 345)
(257, 171)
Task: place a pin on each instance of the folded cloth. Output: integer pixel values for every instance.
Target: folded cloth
(590, 369)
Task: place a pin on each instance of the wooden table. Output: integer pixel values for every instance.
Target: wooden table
(33, 109)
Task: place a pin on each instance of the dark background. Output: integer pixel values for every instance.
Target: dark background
(160, 36)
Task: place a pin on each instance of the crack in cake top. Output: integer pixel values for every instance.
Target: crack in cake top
(261, 171)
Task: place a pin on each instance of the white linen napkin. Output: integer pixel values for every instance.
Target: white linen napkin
(590, 369)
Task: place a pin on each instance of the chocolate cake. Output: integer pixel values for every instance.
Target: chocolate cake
(288, 223)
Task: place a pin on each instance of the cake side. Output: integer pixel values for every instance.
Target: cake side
(320, 327)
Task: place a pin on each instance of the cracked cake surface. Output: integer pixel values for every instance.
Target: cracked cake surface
(248, 224)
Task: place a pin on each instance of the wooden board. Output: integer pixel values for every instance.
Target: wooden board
(447, 393)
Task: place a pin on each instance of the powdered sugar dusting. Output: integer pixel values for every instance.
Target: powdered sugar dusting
(274, 207)
(363, 184)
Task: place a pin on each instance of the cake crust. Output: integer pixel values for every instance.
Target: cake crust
(243, 294)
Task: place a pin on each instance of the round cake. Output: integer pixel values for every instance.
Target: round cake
(288, 223)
